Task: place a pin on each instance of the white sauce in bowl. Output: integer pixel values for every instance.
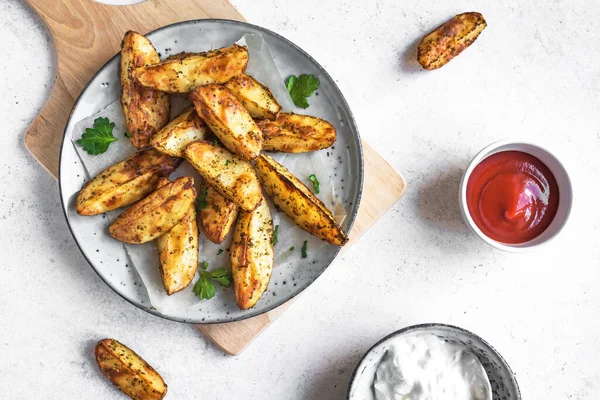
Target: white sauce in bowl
(424, 367)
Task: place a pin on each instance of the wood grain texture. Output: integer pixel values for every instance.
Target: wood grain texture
(382, 187)
(87, 34)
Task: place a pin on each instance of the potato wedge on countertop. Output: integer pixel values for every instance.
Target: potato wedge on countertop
(254, 96)
(125, 182)
(251, 255)
(231, 176)
(218, 215)
(146, 110)
(128, 371)
(228, 119)
(156, 214)
(178, 251)
(450, 39)
(183, 73)
(186, 128)
(296, 133)
(296, 200)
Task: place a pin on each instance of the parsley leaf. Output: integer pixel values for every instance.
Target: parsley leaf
(304, 255)
(315, 182)
(204, 287)
(292, 248)
(222, 276)
(128, 135)
(220, 252)
(226, 162)
(275, 232)
(301, 87)
(201, 203)
(97, 139)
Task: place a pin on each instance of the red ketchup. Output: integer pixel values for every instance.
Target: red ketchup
(512, 197)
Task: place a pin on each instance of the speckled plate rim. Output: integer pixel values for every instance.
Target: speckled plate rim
(427, 326)
(351, 218)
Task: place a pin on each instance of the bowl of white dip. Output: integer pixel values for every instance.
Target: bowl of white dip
(433, 362)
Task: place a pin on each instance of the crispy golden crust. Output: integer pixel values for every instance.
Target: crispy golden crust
(251, 255)
(186, 128)
(184, 72)
(128, 371)
(178, 253)
(295, 133)
(254, 96)
(146, 110)
(218, 216)
(228, 119)
(156, 214)
(125, 182)
(450, 39)
(231, 176)
(296, 200)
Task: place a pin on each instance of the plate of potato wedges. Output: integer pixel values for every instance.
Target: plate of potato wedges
(210, 171)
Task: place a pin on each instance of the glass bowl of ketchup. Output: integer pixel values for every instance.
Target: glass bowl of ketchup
(515, 195)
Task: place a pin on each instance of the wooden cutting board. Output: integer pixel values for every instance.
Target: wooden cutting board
(87, 34)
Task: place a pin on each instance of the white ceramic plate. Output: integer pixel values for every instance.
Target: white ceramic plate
(343, 162)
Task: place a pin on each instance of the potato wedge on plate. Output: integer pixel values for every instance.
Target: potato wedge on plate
(128, 371)
(296, 200)
(178, 251)
(183, 73)
(186, 128)
(254, 96)
(125, 182)
(228, 119)
(450, 39)
(295, 133)
(156, 214)
(231, 176)
(251, 255)
(146, 110)
(217, 216)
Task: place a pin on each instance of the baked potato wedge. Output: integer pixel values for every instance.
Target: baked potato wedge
(228, 174)
(156, 214)
(450, 39)
(183, 73)
(251, 255)
(186, 128)
(125, 182)
(296, 200)
(228, 119)
(254, 96)
(146, 110)
(218, 215)
(128, 371)
(178, 251)
(296, 133)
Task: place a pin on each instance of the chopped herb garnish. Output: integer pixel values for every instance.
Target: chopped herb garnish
(204, 287)
(226, 162)
(220, 252)
(128, 135)
(301, 87)
(304, 255)
(275, 232)
(315, 183)
(97, 139)
(201, 203)
(292, 248)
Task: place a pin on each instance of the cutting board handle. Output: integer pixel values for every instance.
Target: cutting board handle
(86, 35)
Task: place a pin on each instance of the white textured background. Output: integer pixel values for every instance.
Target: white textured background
(533, 73)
